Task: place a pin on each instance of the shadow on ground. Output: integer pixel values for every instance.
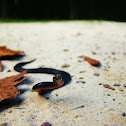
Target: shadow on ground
(15, 57)
(7, 103)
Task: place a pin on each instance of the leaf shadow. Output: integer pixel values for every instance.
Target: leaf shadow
(27, 81)
(15, 57)
(7, 103)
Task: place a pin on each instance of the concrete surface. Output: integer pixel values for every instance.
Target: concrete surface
(54, 44)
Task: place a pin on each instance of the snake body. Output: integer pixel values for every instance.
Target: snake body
(61, 77)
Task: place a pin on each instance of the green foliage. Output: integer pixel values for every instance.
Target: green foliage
(46, 21)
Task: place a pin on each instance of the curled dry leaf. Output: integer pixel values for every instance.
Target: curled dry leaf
(91, 61)
(7, 86)
(108, 86)
(7, 52)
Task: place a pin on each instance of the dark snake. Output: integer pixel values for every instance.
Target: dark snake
(60, 78)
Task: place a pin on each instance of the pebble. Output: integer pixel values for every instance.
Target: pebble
(100, 84)
(108, 94)
(78, 34)
(10, 111)
(56, 95)
(9, 71)
(113, 52)
(76, 116)
(65, 65)
(81, 82)
(81, 60)
(120, 89)
(82, 71)
(96, 74)
(123, 114)
(116, 85)
(65, 50)
(93, 52)
(33, 116)
(80, 56)
(46, 97)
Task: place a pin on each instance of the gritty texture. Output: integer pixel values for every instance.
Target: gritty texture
(54, 44)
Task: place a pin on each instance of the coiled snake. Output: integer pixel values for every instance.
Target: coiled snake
(60, 77)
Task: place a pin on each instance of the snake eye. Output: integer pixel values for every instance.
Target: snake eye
(57, 77)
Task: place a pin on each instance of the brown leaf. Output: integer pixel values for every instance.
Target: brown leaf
(7, 52)
(108, 86)
(7, 88)
(91, 61)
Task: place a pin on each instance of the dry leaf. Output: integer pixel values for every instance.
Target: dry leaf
(7, 52)
(108, 86)
(7, 88)
(91, 61)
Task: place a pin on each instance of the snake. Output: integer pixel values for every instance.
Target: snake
(61, 78)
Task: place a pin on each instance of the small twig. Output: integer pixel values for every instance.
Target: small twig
(77, 107)
(19, 108)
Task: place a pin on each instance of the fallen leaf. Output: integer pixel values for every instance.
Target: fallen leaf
(108, 86)
(7, 52)
(91, 61)
(7, 88)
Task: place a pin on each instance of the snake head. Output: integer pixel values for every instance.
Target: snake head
(57, 78)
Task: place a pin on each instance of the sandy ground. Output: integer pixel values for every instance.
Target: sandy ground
(53, 45)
